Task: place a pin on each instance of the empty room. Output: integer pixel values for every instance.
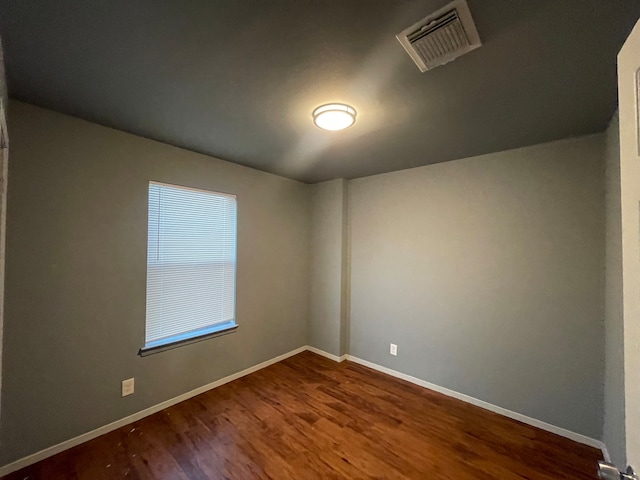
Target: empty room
(320, 239)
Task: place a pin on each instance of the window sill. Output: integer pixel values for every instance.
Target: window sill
(180, 340)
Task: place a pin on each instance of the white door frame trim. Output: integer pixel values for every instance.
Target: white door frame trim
(629, 101)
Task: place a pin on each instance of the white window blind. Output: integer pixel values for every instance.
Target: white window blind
(191, 264)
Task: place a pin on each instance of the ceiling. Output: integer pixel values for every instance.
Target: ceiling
(238, 79)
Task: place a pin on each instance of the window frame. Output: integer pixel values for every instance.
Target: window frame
(202, 333)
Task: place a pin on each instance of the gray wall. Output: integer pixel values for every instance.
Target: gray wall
(76, 273)
(614, 403)
(488, 273)
(328, 259)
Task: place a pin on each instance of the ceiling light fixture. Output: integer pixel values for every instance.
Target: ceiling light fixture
(334, 116)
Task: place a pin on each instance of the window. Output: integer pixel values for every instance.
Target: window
(191, 266)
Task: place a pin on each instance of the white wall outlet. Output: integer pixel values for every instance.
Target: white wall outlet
(393, 349)
(128, 387)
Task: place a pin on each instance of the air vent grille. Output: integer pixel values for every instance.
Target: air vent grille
(441, 37)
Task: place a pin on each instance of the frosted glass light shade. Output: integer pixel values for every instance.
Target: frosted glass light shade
(334, 116)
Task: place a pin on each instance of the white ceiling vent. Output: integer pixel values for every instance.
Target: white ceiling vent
(441, 37)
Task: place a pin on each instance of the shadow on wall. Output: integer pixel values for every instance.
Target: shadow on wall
(3, 83)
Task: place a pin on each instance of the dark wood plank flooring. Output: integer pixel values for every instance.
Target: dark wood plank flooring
(310, 418)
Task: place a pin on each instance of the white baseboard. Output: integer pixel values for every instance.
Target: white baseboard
(576, 437)
(330, 356)
(85, 437)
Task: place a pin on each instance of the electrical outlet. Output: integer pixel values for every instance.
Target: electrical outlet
(128, 387)
(393, 349)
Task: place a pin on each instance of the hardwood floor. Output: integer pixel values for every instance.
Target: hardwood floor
(311, 418)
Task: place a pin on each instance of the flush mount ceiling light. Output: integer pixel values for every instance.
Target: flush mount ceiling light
(334, 116)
